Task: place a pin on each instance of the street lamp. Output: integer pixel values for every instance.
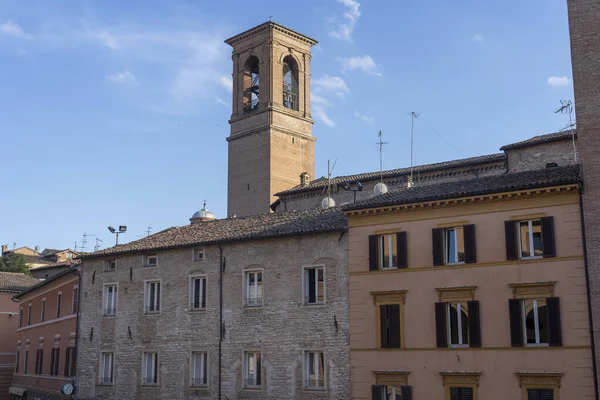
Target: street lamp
(359, 188)
(122, 229)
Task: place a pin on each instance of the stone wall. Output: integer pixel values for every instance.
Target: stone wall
(536, 157)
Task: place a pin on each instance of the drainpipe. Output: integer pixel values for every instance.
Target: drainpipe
(76, 383)
(589, 296)
(220, 313)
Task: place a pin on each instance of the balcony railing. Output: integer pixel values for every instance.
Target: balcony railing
(152, 308)
(198, 306)
(254, 301)
(252, 383)
(150, 380)
(110, 312)
(314, 299)
(314, 383)
(198, 382)
(106, 380)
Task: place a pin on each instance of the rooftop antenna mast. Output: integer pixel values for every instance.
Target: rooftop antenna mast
(566, 107)
(380, 188)
(84, 241)
(413, 116)
(97, 246)
(328, 201)
(150, 228)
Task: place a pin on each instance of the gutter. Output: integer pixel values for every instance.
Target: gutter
(588, 291)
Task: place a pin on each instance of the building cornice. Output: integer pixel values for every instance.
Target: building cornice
(273, 26)
(268, 129)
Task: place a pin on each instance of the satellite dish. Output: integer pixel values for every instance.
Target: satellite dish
(380, 188)
(327, 202)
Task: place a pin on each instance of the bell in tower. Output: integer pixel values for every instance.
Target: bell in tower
(271, 141)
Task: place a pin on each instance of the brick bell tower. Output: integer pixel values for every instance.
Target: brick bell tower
(271, 142)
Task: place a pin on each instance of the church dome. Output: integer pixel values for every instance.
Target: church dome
(203, 215)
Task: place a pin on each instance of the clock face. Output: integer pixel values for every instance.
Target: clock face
(67, 388)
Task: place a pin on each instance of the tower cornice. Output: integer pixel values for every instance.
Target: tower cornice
(272, 26)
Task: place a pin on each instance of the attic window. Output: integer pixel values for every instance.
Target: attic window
(110, 265)
(151, 260)
(198, 254)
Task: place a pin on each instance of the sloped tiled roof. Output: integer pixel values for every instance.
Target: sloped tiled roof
(472, 187)
(550, 137)
(16, 282)
(235, 229)
(44, 282)
(461, 163)
(56, 265)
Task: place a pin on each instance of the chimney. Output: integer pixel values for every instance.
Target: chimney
(4, 248)
(304, 179)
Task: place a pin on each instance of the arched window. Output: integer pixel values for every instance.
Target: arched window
(251, 84)
(290, 83)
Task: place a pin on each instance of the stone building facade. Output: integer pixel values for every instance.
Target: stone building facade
(259, 302)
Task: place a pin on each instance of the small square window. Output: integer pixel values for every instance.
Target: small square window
(151, 260)
(252, 370)
(314, 370)
(199, 254)
(110, 265)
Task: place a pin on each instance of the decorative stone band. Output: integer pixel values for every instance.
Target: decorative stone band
(532, 290)
(394, 377)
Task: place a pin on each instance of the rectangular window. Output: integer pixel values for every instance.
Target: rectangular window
(43, 316)
(17, 361)
(107, 368)
(21, 317)
(151, 260)
(26, 361)
(540, 394)
(75, 303)
(199, 368)
(389, 318)
(54, 357)
(314, 285)
(535, 321)
(110, 300)
(152, 301)
(396, 392)
(70, 358)
(110, 265)
(58, 305)
(461, 393)
(388, 257)
(198, 293)
(458, 324)
(150, 368)
(454, 245)
(530, 239)
(314, 370)
(254, 288)
(39, 361)
(29, 315)
(252, 368)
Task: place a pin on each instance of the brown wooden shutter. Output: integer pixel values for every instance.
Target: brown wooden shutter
(56, 359)
(548, 237)
(384, 326)
(394, 326)
(470, 248)
(373, 259)
(52, 354)
(377, 392)
(67, 360)
(510, 234)
(440, 325)
(402, 249)
(438, 246)
(204, 293)
(474, 327)
(554, 328)
(406, 392)
(516, 322)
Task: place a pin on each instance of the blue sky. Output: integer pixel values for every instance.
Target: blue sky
(116, 112)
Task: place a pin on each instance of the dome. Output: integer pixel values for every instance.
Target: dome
(203, 215)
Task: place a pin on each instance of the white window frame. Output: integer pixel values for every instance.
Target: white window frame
(58, 304)
(75, 300)
(147, 296)
(305, 370)
(108, 263)
(105, 300)
(529, 239)
(43, 310)
(536, 322)
(147, 258)
(305, 285)
(247, 289)
(459, 323)
(154, 370)
(111, 368)
(389, 237)
(254, 378)
(446, 232)
(196, 254)
(195, 375)
(192, 292)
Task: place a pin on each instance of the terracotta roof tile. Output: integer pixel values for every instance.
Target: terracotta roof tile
(16, 282)
(551, 137)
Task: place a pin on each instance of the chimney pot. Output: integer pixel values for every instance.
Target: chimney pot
(304, 179)
(4, 248)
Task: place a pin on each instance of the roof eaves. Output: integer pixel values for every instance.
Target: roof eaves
(47, 281)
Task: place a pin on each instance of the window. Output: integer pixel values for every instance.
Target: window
(198, 293)
(314, 370)
(454, 246)
(457, 317)
(58, 305)
(391, 387)
(461, 393)
(314, 285)
(540, 394)
(388, 251)
(388, 257)
(21, 317)
(199, 368)
(75, 303)
(530, 239)
(107, 368)
(251, 84)
(152, 297)
(26, 360)
(252, 368)
(535, 321)
(150, 368)
(70, 361)
(54, 357)
(539, 385)
(39, 361)
(290, 83)
(151, 260)
(461, 385)
(199, 254)
(29, 315)
(110, 265)
(254, 288)
(389, 318)
(43, 316)
(458, 324)
(110, 300)
(17, 361)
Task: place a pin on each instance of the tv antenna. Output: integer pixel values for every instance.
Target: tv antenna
(413, 116)
(150, 228)
(566, 107)
(380, 188)
(97, 246)
(328, 201)
(84, 240)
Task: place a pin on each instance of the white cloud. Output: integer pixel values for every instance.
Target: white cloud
(227, 83)
(121, 77)
(222, 102)
(367, 117)
(319, 112)
(556, 81)
(477, 38)
(346, 24)
(316, 99)
(106, 39)
(331, 84)
(11, 28)
(365, 63)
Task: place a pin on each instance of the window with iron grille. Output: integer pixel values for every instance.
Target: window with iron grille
(199, 368)
(314, 370)
(252, 369)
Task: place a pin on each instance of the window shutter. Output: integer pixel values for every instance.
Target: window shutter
(394, 326)
(406, 392)
(52, 354)
(466, 393)
(373, 264)
(548, 236)
(474, 327)
(454, 393)
(67, 359)
(384, 326)
(516, 322)
(204, 293)
(402, 249)
(440, 325)
(377, 392)
(554, 328)
(258, 370)
(546, 394)
(510, 234)
(56, 359)
(438, 246)
(470, 248)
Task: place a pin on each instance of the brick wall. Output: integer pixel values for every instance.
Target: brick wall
(536, 157)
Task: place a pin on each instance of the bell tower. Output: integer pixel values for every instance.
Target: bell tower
(271, 142)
